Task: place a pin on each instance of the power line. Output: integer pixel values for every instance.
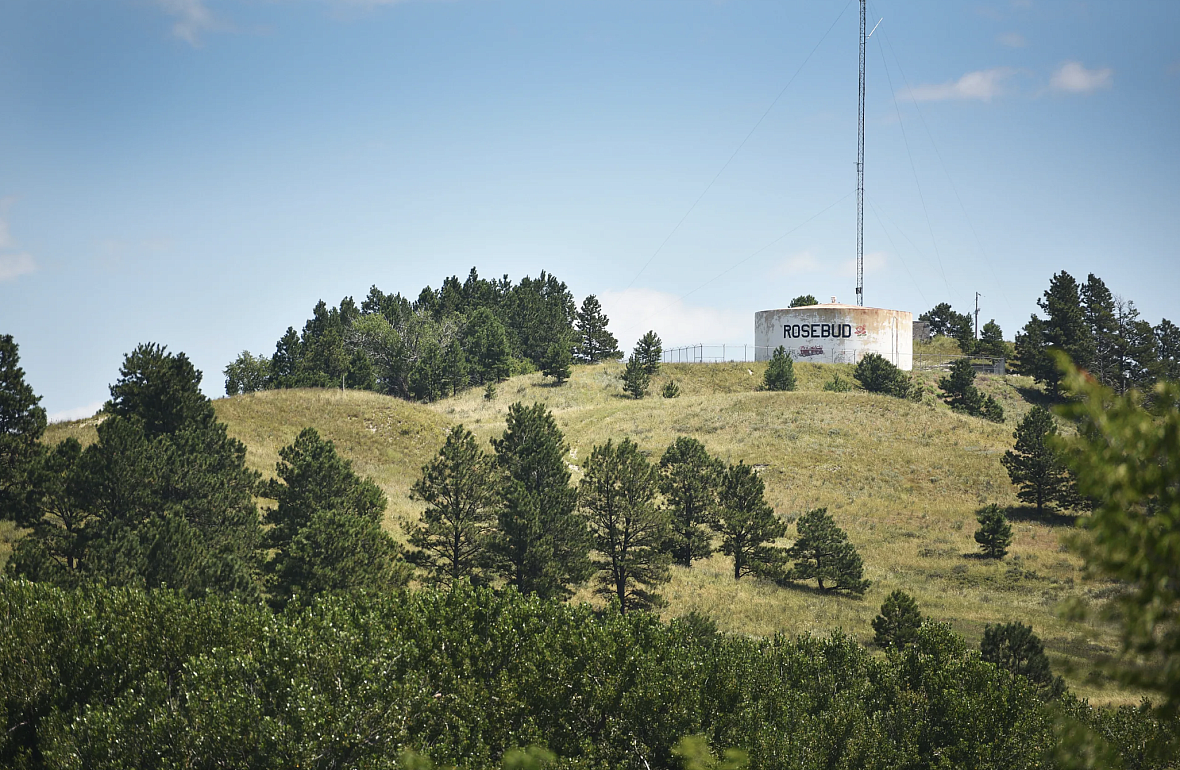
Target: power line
(897, 251)
(739, 147)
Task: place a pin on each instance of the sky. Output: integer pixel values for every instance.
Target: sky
(199, 173)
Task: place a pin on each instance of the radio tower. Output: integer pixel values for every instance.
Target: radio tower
(860, 170)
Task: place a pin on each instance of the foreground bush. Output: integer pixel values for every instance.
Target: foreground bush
(120, 678)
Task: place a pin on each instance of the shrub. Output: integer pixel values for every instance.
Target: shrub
(837, 384)
(670, 389)
(877, 375)
(898, 623)
(780, 372)
(636, 378)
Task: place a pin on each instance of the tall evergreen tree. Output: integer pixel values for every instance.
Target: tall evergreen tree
(326, 526)
(459, 487)
(557, 361)
(1167, 347)
(960, 393)
(1031, 357)
(689, 479)
(485, 341)
(1013, 647)
(542, 543)
(287, 361)
(649, 350)
(747, 524)
(595, 342)
(1098, 310)
(455, 368)
(898, 623)
(780, 371)
(1033, 464)
(991, 341)
(1065, 325)
(617, 494)
(22, 422)
(162, 390)
(1134, 351)
(822, 551)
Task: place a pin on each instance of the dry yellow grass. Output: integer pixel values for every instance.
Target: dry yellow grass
(903, 478)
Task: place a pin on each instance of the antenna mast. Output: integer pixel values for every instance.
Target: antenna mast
(860, 170)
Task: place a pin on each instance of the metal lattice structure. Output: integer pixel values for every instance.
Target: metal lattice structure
(860, 170)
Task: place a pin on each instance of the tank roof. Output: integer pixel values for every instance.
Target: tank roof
(841, 306)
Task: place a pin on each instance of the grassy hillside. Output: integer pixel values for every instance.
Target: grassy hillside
(903, 478)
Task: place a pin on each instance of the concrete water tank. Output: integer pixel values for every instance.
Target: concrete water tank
(834, 333)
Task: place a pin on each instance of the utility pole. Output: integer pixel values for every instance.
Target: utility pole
(860, 169)
(977, 296)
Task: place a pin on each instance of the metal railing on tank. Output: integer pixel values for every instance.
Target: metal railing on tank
(713, 354)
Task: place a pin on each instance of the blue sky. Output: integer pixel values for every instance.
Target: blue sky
(200, 172)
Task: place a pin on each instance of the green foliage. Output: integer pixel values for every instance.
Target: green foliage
(991, 341)
(459, 487)
(1014, 648)
(542, 543)
(689, 480)
(1127, 458)
(780, 372)
(636, 378)
(747, 524)
(1167, 347)
(898, 623)
(995, 533)
(115, 678)
(946, 322)
(803, 300)
(487, 347)
(1034, 465)
(960, 393)
(22, 422)
(670, 389)
(247, 374)
(648, 350)
(617, 494)
(837, 384)
(558, 360)
(877, 375)
(489, 392)
(822, 551)
(595, 342)
(161, 390)
(326, 527)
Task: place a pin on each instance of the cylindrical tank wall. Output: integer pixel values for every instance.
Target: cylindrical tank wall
(836, 334)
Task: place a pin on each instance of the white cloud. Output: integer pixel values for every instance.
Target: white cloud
(1012, 40)
(633, 311)
(77, 413)
(983, 85)
(874, 262)
(13, 266)
(803, 262)
(1072, 77)
(192, 18)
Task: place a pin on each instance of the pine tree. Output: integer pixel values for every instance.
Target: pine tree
(649, 350)
(1033, 464)
(557, 361)
(617, 494)
(459, 487)
(946, 322)
(1167, 347)
(489, 355)
(287, 361)
(22, 422)
(670, 389)
(595, 342)
(959, 389)
(1134, 350)
(454, 367)
(689, 479)
(804, 300)
(1032, 358)
(162, 390)
(542, 543)
(635, 377)
(1065, 327)
(1098, 309)
(822, 551)
(326, 527)
(780, 372)
(898, 623)
(995, 533)
(991, 341)
(1013, 647)
(747, 525)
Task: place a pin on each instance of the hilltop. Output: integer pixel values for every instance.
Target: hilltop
(903, 478)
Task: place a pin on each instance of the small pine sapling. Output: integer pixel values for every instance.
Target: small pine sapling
(636, 377)
(670, 389)
(780, 372)
(823, 552)
(898, 623)
(995, 533)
